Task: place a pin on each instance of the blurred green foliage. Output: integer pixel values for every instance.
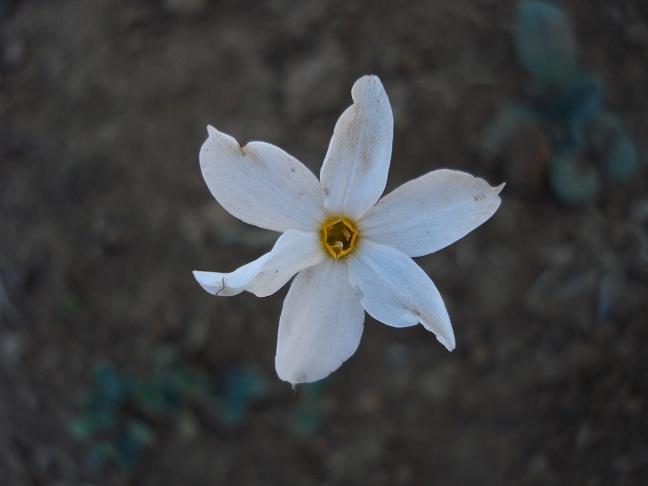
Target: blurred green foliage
(566, 104)
(545, 43)
(237, 389)
(572, 182)
(123, 415)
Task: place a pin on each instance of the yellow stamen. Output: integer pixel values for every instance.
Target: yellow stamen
(339, 236)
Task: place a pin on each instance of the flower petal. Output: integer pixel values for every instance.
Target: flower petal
(261, 184)
(320, 326)
(355, 168)
(293, 251)
(396, 291)
(431, 212)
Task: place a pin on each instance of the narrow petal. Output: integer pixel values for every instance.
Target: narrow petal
(321, 324)
(396, 291)
(431, 212)
(261, 184)
(355, 168)
(293, 251)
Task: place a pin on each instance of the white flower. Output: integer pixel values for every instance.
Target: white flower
(351, 253)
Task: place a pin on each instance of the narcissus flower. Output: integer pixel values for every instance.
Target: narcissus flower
(350, 252)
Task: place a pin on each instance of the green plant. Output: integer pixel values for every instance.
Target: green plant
(566, 104)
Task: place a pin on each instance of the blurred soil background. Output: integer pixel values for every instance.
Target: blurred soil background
(116, 368)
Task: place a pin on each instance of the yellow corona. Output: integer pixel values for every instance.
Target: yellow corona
(339, 236)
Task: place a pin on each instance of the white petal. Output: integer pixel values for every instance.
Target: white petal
(396, 291)
(355, 168)
(431, 212)
(261, 184)
(293, 251)
(321, 324)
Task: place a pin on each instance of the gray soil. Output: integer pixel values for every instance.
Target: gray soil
(103, 107)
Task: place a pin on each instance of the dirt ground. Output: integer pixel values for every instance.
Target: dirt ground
(104, 213)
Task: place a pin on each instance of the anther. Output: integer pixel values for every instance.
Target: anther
(339, 236)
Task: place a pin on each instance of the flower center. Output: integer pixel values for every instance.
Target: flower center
(339, 236)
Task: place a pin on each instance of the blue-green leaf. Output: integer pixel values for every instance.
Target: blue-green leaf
(573, 183)
(108, 385)
(578, 102)
(545, 43)
(240, 387)
(140, 432)
(507, 120)
(621, 162)
(82, 428)
(128, 450)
